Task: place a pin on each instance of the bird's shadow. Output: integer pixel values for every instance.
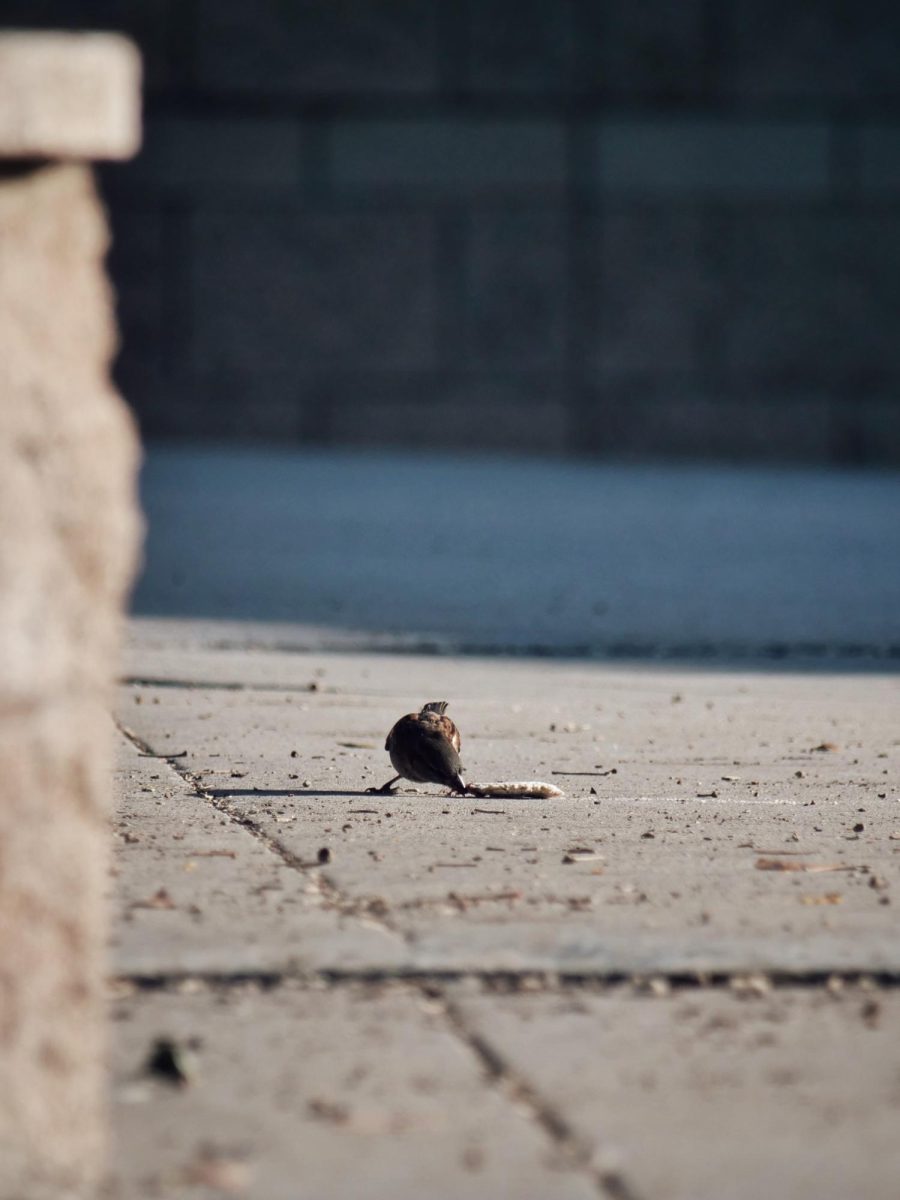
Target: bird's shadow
(223, 793)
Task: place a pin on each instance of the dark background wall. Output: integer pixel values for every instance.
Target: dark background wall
(622, 229)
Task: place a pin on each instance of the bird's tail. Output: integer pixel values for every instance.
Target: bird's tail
(435, 706)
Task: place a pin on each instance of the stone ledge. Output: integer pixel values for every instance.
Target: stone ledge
(69, 95)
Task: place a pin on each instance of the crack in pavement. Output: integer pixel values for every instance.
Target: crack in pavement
(530, 980)
(332, 897)
(576, 1153)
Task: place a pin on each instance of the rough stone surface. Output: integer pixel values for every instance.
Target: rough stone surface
(65, 95)
(68, 532)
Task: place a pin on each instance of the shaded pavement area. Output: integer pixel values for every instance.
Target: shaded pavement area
(354, 550)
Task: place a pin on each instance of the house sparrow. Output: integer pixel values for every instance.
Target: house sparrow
(424, 747)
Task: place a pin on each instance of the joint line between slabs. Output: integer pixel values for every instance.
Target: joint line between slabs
(576, 1153)
(748, 980)
(328, 890)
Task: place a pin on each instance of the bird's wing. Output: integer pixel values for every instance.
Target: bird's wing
(433, 754)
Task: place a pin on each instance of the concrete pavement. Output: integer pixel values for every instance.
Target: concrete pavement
(676, 982)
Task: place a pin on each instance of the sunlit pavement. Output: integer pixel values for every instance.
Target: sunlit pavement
(676, 982)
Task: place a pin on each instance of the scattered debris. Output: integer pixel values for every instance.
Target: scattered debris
(870, 1012)
(324, 855)
(372, 811)
(358, 745)
(211, 853)
(827, 898)
(463, 902)
(174, 754)
(581, 854)
(858, 827)
(777, 864)
(656, 985)
(490, 812)
(713, 795)
(611, 771)
(159, 899)
(328, 1110)
(777, 853)
(750, 985)
(824, 747)
(221, 1172)
(171, 1061)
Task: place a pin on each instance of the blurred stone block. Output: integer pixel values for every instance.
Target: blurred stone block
(449, 155)
(880, 159)
(214, 153)
(644, 417)
(644, 52)
(316, 47)
(525, 47)
(515, 297)
(710, 156)
(148, 22)
(811, 49)
(276, 289)
(812, 294)
(68, 539)
(68, 95)
(648, 295)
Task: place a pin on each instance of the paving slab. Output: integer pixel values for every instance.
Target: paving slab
(630, 991)
(702, 1095)
(195, 891)
(699, 795)
(304, 1094)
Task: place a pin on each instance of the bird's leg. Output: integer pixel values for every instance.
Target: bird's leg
(386, 789)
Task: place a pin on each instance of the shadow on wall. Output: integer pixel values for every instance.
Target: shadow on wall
(611, 229)
(368, 549)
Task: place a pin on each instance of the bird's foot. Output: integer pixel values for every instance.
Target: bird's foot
(386, 789)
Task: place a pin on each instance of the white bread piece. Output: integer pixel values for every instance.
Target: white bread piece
(527, 787)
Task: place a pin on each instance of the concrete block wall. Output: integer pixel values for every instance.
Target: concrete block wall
(557, 226)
